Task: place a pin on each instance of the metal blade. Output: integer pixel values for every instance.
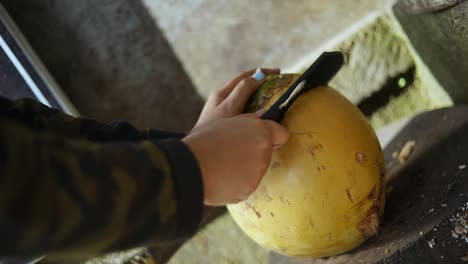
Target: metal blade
(318, 74)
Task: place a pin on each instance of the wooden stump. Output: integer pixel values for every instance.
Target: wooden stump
(426, 212)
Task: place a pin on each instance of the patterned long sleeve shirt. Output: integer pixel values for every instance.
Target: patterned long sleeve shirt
(76, 187)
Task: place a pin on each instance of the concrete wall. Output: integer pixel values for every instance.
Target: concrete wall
(441, 40)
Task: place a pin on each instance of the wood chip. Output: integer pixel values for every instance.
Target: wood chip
(465, 258)
(406, 151)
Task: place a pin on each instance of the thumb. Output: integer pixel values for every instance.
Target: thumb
(236, 101)
(255, 115)
(279, 134)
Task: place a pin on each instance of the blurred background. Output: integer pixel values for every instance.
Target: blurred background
(153, 62)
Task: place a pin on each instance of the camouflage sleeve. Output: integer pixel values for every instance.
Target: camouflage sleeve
(42, 118)
(67, 196)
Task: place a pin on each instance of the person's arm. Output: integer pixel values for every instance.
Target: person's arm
(39, 117)
(75, 197)
(66, 195)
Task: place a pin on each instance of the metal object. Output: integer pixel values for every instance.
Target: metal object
(319, 73)
(31, 260)
(31, 69)
(425, 6)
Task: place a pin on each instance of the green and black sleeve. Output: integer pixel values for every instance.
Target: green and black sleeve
(76, 187)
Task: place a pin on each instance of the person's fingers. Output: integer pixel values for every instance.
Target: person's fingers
(214, 99)
(279, 134)
(236, 101)
(259, 113)
(275, 148)
(230, 85)
(252, 115)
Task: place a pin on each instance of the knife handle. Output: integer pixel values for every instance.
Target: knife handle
(319, 73)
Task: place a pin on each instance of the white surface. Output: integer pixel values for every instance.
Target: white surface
(389, 132)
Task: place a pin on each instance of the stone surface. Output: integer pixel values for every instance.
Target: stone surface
(216, 40)
(374, 54)
(379, 56)
(440, 38)
(220, 242)
(110, 59)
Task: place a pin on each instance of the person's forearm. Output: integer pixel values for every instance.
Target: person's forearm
(39, 117)
(73, 197)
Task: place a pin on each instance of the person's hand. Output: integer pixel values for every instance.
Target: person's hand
(230, 100)
(234, 154)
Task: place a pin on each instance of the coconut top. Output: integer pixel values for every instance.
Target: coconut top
(274, 86)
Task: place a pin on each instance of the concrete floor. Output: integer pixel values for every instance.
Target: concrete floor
(111, 59)
(216, 40)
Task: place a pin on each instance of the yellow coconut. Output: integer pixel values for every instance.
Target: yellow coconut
(323, 193)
